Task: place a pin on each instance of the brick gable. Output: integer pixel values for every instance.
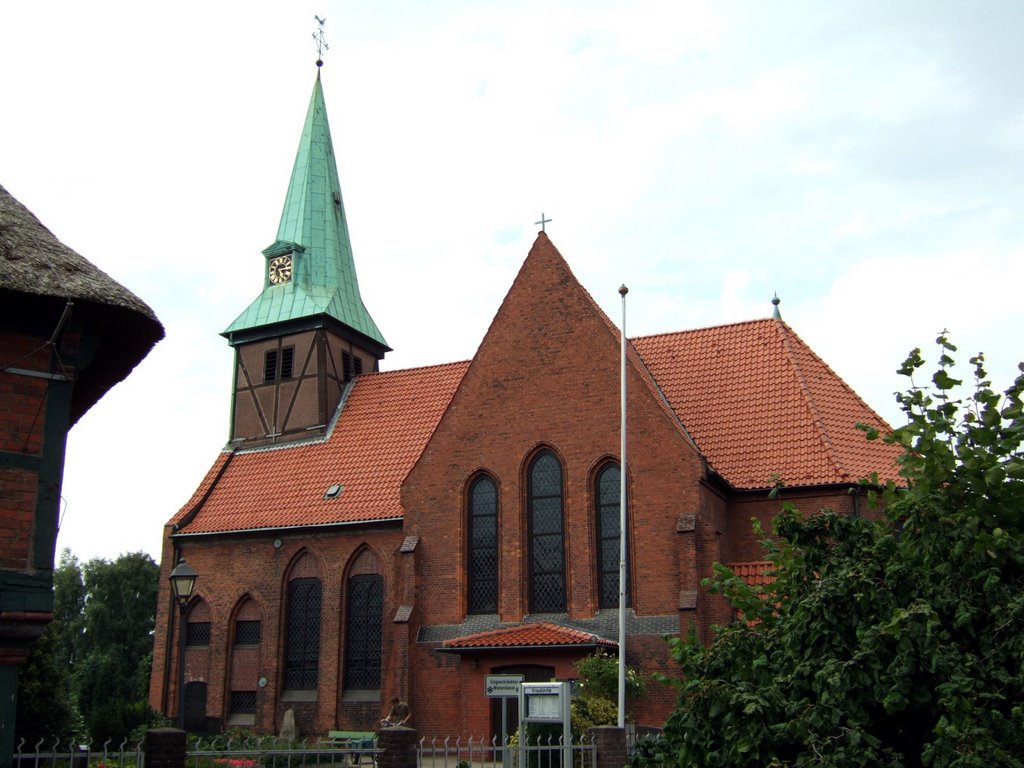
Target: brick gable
(547, 374)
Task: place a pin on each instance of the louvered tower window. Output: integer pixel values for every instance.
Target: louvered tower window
(363, 631)
(271, 370)
(351, 365)
(302, 634)
(270, 365)
(547, 534)
(287, 360)
(482, 554)
(606, 500)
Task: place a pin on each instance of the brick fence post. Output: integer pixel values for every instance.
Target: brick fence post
(609, 744)
(399, 747)
(165, 748)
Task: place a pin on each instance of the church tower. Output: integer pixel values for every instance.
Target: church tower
(307, 333)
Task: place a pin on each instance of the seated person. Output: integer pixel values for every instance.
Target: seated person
(399, 714)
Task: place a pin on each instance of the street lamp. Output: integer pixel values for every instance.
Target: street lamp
(183, 580)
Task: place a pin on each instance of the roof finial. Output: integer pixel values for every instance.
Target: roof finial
(542, 222)
(321, 46)
(776, 315)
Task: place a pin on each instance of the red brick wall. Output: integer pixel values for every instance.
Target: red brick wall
(250, 570)
(546, 375)
(22, 418)
(743, 542)
(18, 489)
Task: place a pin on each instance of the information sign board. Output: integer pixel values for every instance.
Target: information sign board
(503, 686)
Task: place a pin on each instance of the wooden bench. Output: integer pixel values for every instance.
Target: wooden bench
(355, 741)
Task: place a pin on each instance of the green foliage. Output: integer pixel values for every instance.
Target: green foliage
(119, 615)
(44, 706)
(589, 713)
(597, 691)
(897, 642)
(599, 678)
(90, 672)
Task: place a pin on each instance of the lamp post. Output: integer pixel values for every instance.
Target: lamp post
(183, 580)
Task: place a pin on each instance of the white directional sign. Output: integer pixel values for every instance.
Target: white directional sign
(503, 686)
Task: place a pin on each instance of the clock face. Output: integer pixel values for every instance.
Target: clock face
(280, 270)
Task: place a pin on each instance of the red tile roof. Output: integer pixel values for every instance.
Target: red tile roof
(759, 403)
(381, 431)
(528, 636)
(754, 573)
(755, 399)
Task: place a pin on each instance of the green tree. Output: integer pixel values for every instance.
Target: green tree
(68, 609)
(45, 707)
(119, 616)
(893, 642)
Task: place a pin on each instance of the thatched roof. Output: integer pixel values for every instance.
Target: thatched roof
(39, 274)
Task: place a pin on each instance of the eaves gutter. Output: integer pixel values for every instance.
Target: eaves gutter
(506, 648)
(282, 528)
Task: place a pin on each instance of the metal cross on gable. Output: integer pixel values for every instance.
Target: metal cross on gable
(321, 44)
(542, 222)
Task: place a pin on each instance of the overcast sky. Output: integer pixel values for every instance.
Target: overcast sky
(861, 159)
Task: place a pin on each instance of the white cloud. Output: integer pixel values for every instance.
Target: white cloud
(858, 160)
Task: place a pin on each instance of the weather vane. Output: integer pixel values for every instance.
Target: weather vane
(321, 45)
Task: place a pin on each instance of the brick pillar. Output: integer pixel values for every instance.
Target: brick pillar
(609, 745)
(165, 748)
(399, 747)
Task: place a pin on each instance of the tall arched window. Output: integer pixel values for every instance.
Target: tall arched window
(243, 679)
(547, 534)
(606, 501)
(302, 634)
(363, 631)
(482, 576)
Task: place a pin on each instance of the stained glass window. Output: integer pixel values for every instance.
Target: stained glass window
(547, 534)
(247, 632)
(606, 499)
(363, 631)
(482, 581)
(302, 634)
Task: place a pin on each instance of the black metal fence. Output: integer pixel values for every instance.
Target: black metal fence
(270, 752)
(543, 752)
(69, 754)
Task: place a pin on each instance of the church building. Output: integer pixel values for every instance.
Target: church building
(369, 533)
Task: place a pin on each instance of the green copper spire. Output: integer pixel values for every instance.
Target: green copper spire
(314, 231)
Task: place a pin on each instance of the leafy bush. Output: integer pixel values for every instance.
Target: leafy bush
(891, 642)
(599, 678)
(589, 713)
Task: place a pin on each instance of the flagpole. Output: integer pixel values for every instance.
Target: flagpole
(623, 290)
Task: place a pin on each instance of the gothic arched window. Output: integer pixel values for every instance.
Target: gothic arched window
(547, 534)
(482, 547)
(302, 634)
(606, 501)
(364, 631)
